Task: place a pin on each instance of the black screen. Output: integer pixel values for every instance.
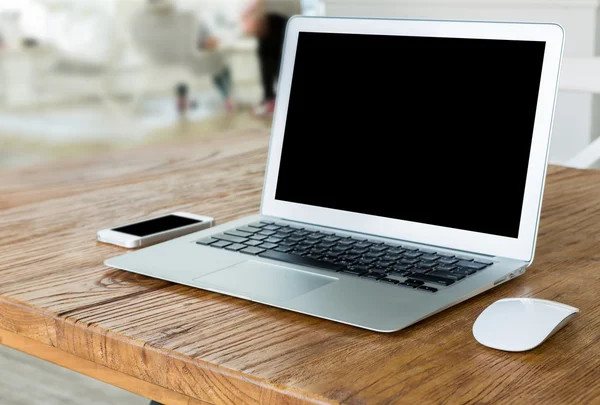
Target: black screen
(429, 130)
(156, 225)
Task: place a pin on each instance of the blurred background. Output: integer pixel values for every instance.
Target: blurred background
(83, 76)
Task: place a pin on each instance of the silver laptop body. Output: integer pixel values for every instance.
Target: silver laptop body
(379, 214)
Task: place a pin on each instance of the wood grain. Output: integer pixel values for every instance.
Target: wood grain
(94, 370)
(221, 350)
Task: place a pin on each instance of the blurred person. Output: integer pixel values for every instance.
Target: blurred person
(222, 80)
(266, 20)
(205, 41)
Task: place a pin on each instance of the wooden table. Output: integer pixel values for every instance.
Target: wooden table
(181, 345)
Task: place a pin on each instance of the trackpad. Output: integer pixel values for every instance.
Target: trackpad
(256, 280)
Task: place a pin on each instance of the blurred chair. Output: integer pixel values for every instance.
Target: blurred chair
(169, 39)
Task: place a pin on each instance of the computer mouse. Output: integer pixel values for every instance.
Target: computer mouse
(520, 324)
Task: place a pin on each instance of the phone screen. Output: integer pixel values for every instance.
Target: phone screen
(156, 225)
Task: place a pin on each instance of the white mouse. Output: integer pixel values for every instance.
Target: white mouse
(520, 324)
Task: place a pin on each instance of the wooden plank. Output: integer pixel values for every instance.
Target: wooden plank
(94, 370)
(222, 350)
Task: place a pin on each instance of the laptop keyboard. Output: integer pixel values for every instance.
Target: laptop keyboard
(385, 262)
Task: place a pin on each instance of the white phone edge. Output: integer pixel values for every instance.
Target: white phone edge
(132, 241)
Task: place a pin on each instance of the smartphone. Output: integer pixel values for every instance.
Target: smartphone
(155, 230)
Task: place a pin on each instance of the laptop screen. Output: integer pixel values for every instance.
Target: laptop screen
(429, 130)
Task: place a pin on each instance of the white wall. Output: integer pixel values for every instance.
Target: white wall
(574, 124)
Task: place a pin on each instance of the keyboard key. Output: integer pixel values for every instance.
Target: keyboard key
(378, 248)
(326, 245)
(361, 245)
(447, 274)
(399, 273)
(315, 236)
(395, 251)
(426, 264)
(299, 252)
(373, 254)
(374, 276)
(392, 245)
(345, 263)
(431, 279)
(295, 239)
(265, 222)
(294, 227)
(235, 247)
(385, 263)
(207, 241)
(331, 259)
(301, 260)
(248, 229)
(462, 270)
(426, 288)
(412, 255)
(414, 282)
(331, 238)
(258, 237)
(407, 285)
(301, 234)
(280, 235)
(380, 271)
(271, 227)
(356, 270)
(445, 255)
(390, 258)
(356, 251)
(220, 244)
(310, 242)
(230, 238)
(252, 242)
(389, 280)
(366, 260)
(268, 245)
(401, 267)
(346, 242)
(267, 233)
(341, 248)
(241, 234)
(336, 253)
(286, 230)
(408, 261)
(252, 250)
(273, 239)
(471, 265)
(313, 255)
(283, 249)
(468, 259)
(447, 260)
(445, 267)
(257, 225)
(429, 257)
(487, 262)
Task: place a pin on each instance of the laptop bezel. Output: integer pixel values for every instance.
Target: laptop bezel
(521, 248)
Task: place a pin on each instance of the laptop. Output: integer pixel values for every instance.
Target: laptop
(405, 172)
